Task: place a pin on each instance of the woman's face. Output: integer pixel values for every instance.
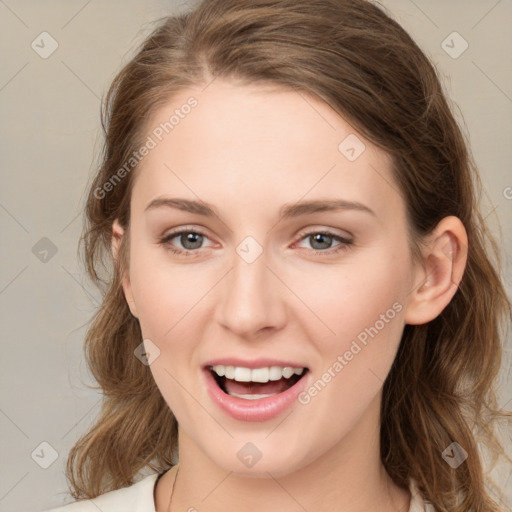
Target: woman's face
(304, 263)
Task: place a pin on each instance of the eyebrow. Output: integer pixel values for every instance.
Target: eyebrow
(286, 212)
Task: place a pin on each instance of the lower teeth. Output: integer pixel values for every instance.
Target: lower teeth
(221, 382)
(251, 397)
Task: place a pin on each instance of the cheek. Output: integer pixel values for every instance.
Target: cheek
(167, 294)
(363, 307)
(350, 298)
(335, 303)
(170, 299)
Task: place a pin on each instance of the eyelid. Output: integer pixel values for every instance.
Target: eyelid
(327, 231)
(344, 241)
(183, 229)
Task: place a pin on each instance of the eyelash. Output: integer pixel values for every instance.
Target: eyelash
(342, 246)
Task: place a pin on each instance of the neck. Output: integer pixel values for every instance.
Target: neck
(349, 478)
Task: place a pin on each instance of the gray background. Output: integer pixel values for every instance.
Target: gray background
(50, 134)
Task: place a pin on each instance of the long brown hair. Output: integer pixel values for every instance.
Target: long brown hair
(355, 58)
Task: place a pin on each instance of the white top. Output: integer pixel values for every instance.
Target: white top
(139, 498)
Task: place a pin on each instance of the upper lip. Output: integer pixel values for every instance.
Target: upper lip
(254, 363)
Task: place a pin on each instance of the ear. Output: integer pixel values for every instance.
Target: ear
(438, 277)
(117, 236)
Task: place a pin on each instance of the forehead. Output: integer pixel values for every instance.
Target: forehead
(242, 144)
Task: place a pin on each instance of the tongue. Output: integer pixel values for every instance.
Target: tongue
(257, 388)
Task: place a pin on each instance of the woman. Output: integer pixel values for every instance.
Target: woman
(302, 306)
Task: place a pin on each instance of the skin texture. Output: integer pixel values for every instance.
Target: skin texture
(247, 151)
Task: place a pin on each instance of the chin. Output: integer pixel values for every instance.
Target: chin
(275, 464)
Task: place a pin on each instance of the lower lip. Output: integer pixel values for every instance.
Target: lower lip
(262, 409)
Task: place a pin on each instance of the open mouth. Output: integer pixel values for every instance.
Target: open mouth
(256, 383)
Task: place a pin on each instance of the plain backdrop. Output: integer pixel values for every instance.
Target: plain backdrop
(50, 136)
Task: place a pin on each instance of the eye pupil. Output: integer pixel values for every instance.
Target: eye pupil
(195, 239)
(324, 240)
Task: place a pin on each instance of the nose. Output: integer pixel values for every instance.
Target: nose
(251, 299)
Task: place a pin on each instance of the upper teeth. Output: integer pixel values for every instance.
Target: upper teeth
(242, 374)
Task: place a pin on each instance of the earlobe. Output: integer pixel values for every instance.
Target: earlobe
(438, 279)
(117, 237)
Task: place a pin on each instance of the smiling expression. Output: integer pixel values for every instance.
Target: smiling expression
(256, 242)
